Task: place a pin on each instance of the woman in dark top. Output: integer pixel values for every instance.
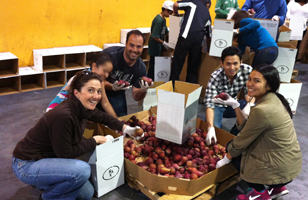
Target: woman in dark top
(45, 157)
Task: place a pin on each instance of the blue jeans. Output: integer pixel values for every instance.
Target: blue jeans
(226, 112)
(60, 178)
(118, 103)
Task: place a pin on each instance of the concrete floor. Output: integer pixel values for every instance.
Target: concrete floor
(19, 112)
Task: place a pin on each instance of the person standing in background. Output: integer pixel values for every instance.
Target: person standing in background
(298, 8)
(223, 8)
(267, 9)
(196, 24)
(158, 32)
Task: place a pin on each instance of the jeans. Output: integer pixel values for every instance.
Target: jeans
(182, 48)
(258, 187)
(226, 112)
(60, 178)
(118, 103)
(151, 67)
(265, 56)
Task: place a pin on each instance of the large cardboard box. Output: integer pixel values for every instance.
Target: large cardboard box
(150, 100)
(174, 29)
(222, 36)
(107, 160)
(180, 186)
(75, 58)
(291, 91)
(285, 62)
(177, 110)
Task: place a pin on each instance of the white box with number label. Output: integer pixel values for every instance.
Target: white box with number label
(107, 160)
(291, 91)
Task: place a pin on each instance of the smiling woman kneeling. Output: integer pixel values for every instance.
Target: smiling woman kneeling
(266, 151)
(45, 157)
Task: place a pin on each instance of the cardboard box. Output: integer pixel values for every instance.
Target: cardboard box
(8, 65)
(284, 34)
(150, 100)
(89, 51)
(174, 29)
(285, 62)
(177, 110)
(75, 58)
(55, 79)
(107, 160)
(9, 85)
(46, 60)
(270, 26)
(162, 68)
(291, 91)
(222, 36)
(180, 186)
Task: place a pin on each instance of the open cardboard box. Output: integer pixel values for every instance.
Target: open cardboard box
(171, 185)
(107, 164)
(177, 109)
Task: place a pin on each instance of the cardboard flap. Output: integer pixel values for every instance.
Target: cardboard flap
(170, 98)
(157, 83)
(167, 86)
(287, 52)
(286, 45)
(224, 25)
(192, 97)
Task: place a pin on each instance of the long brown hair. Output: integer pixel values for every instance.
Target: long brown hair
(238, 16)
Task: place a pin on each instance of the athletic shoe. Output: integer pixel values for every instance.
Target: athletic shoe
(254, 195)
(277, 192)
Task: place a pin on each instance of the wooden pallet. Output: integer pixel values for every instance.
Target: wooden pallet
(205, 194)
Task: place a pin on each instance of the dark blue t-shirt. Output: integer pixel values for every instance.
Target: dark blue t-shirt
(122, 71)
(196, 21)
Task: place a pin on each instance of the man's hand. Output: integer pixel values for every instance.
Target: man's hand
(117, 87)
(276, 18)
(229, 102)
(223, 162)
(144, 86)
(165, 45)
(210, 135)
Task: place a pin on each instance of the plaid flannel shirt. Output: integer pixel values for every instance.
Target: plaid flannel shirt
(219, 83)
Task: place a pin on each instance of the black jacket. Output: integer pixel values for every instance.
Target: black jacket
(59, 133)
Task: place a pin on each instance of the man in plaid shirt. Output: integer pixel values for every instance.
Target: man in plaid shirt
(230, 78)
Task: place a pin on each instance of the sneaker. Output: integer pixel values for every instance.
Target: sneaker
(254, 195)
(277, 192)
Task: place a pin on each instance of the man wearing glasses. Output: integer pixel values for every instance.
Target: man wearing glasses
(127, 66)
(158, 32)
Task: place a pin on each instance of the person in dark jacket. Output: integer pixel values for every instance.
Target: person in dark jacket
(45, 157)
